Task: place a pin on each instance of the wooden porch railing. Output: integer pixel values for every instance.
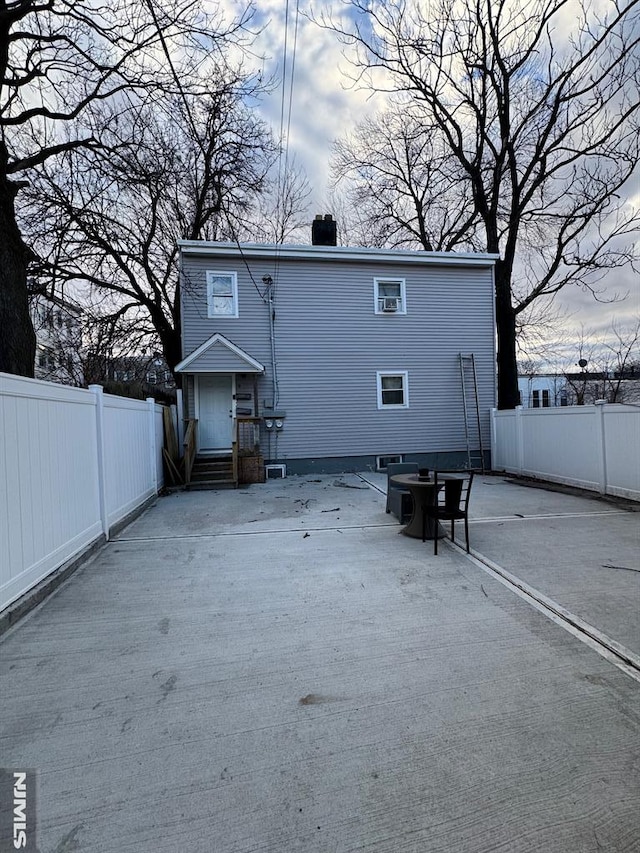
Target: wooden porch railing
(246, 441)
(189, 445)
(234, 457)
(248, 436)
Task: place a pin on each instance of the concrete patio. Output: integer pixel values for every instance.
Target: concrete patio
(277, 669)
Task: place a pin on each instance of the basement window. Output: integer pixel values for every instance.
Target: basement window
(383, 461)
(275, 472)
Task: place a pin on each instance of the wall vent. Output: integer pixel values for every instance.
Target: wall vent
(275, 472)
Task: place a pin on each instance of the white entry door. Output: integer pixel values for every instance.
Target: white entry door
(215, 412)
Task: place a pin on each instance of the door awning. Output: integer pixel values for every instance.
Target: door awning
(219, 355)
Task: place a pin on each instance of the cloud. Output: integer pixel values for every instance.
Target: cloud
(618, 300)
(325, 107)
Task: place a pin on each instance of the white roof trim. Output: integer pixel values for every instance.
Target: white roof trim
(252, 365)
(336, 253)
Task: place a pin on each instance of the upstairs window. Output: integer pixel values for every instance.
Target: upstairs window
(222, 294)
(393, 391)
(389, 296)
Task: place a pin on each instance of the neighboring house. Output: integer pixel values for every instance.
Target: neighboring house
(58, 326)
(137, 376)
(612, 386)
(546, 390)
(348, 356)
(543, 390)
(143, 370)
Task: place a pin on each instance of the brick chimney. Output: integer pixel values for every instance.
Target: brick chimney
(324, 231)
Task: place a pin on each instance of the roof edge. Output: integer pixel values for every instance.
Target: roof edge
(253, 365)
(346, 253)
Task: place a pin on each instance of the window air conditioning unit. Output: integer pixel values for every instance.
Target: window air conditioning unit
(275, 472)
(390, 304)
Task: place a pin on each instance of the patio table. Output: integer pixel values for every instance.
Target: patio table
(423, 492)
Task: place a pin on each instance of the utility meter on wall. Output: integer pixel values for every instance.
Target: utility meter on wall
(273, 419)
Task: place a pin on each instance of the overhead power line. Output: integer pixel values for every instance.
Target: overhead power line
(284, 137)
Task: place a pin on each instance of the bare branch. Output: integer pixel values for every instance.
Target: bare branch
(538, 128)
(109, 216)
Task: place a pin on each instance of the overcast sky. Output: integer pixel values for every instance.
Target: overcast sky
(324, 108)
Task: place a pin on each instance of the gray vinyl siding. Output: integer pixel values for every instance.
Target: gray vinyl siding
(330, 344)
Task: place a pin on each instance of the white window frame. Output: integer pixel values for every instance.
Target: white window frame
(234, 293)
(388, 459)
(377, 307)
(380, 374)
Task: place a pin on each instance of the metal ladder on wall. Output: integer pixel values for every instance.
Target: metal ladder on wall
(471, 407)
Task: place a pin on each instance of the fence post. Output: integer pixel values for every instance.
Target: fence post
(494, 440)
(153, 450)
(519, 439)
(601, 445)
(102, 483)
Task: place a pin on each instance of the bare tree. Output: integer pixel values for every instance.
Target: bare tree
(537, 104)
(541, 330)
(118, 354)
(58, 60)
(58, 327)
(581, 373)
(621, 359)
(280, 213)
(108, 337)
(407, 188)
(605, 366)
(354, 225)
(188, 167)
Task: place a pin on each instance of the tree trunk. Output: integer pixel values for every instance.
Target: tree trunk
(508, 397)
(172, 351)
(170, 334)
(17, 338)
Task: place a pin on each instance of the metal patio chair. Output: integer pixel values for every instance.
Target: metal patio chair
(451, 503)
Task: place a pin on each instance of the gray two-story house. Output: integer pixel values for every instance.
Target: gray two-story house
(346, 357)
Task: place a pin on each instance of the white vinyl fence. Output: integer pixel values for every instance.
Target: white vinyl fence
(593, 447)
(73, 463)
